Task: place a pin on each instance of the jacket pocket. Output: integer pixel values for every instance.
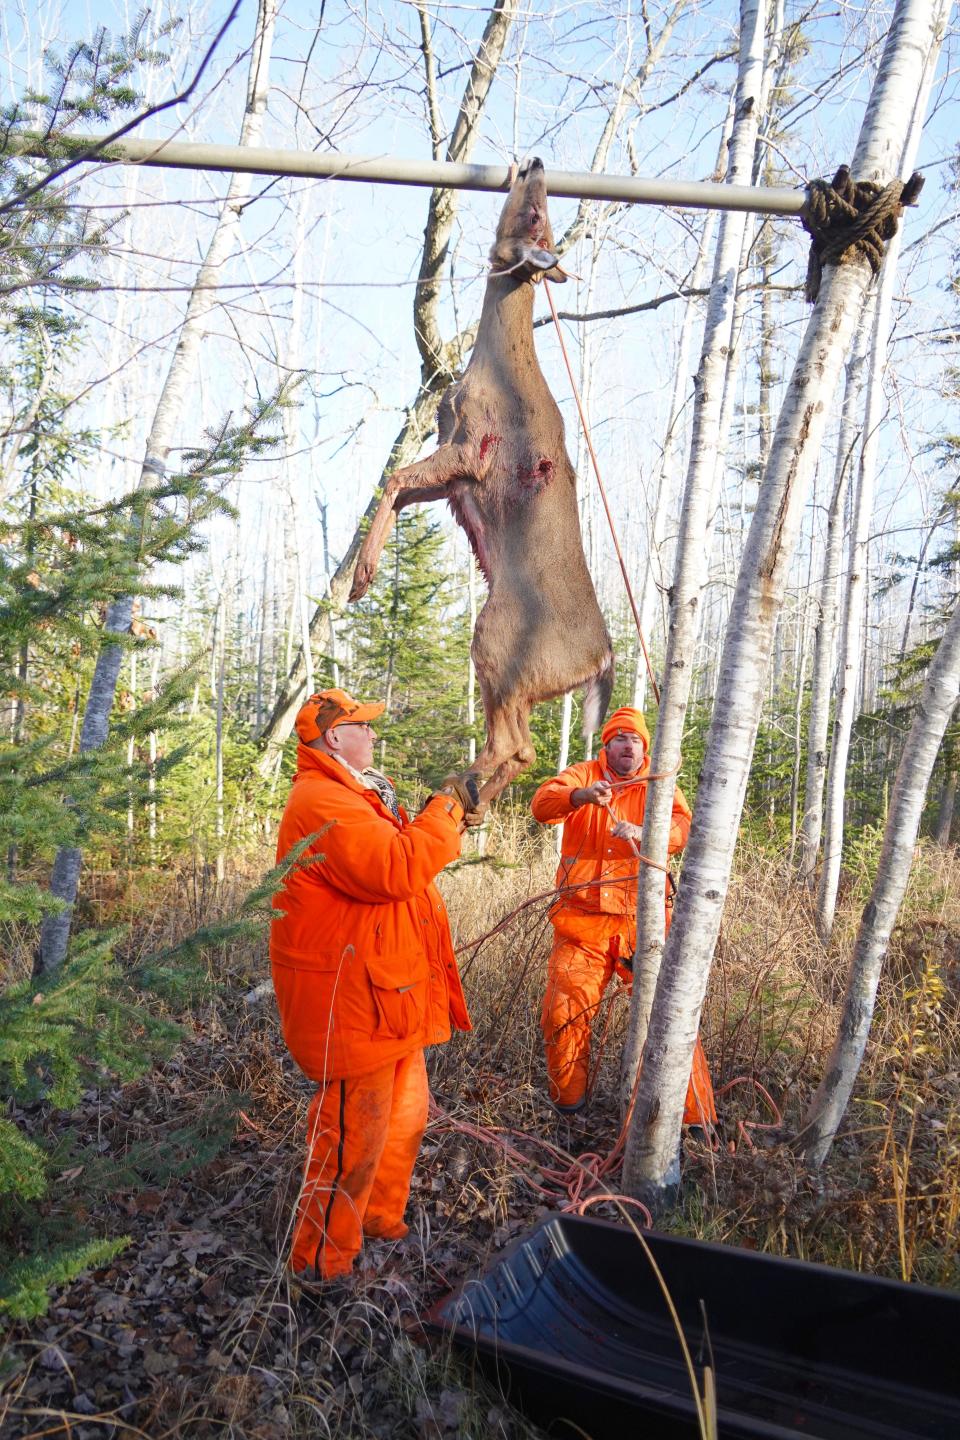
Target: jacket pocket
(400, 1009)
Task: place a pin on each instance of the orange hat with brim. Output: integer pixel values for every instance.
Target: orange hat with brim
(332, 707)
(628, 720)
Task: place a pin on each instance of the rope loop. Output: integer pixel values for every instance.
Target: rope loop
(852, 220)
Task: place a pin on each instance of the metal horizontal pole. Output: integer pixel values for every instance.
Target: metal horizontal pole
(385, 170)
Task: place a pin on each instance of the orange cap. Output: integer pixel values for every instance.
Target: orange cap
(629, 720)
(332, 707)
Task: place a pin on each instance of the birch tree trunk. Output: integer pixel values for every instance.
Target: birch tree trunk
(152, 744)
(653, 572)
(940, 693)
(65, 877)
(851, 636)
(948, 800)
(818, 722)
(262, 611)
(651, 1166)
(219, 650)
(799, 681)
(856, 597)
(691, 562)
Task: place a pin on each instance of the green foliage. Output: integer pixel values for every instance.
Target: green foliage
(91, 79)
(46, 241)
(60, 1032)
(168, 1154)
(25, 1285)
(64, 561)
(412, 642)
(22, 1168)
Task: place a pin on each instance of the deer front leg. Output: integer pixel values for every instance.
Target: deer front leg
(424, 480)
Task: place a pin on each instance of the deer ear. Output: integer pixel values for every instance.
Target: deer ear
(539, 259)
(512, 256)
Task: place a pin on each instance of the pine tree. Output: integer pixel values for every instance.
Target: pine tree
(411, 637)
(63, 559)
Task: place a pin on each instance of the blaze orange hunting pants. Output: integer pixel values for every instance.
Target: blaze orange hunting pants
(582, 963)
(363, 1138)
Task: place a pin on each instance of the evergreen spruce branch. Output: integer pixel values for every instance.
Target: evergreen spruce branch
(24, 1285)
(25, 902)
(63, 1031)
(77, 152)
(23, 1165)
(98, 766)
(166, 1155)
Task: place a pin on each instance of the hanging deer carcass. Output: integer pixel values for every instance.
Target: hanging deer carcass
(503, 467)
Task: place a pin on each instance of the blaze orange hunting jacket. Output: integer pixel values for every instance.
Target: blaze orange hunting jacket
(362, 959)
(589, 851)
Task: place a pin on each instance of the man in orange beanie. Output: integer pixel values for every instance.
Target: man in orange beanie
(594, 915)
(364, 975)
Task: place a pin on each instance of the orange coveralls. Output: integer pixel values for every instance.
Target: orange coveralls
(365, 977)
(595, 925)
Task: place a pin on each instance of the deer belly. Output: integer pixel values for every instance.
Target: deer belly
(471, 520)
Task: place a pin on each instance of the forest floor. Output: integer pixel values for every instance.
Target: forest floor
(194, 1330)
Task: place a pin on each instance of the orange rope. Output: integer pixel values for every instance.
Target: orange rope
(643, 779)
(603, 494)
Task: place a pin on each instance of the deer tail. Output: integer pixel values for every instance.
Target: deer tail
(596, 696)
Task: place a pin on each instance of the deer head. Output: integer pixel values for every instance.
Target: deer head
(524, 244)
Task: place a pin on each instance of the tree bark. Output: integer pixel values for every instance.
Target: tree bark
(691, 562)
(939, 698)
(799, 679)
(651, 1161)
(818, 722)
(55, 931)
(856, 595)
(948, 799)
(664, 484)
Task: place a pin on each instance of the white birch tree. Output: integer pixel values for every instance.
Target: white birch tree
(65, 877)
(941, 691)
(671, 453)
(651, 1161)
(824, 652)
(856, 593)
(691, 561)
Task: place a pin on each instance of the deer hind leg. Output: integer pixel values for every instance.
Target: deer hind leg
(508, 750)
(415, 484)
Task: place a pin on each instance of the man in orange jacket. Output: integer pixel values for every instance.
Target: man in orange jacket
(364, 975)
(594, 915)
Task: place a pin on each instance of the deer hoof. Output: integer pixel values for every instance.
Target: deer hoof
(362, 576)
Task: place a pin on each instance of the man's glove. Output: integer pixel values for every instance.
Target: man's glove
(465, 788)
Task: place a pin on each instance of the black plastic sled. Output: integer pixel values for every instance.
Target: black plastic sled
(571, 1325)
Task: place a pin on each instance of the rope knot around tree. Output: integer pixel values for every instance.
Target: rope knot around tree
(852, 219)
